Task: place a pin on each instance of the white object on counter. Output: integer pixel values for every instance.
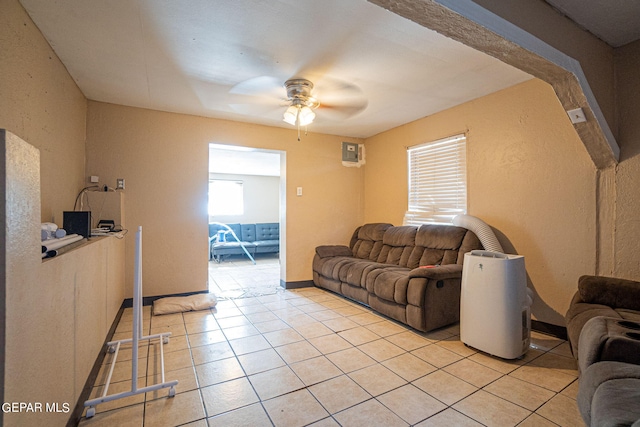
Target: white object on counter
(54, 244)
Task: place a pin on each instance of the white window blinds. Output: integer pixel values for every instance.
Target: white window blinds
(437, 181)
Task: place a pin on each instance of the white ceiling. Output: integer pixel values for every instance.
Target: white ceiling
(193, 56)
(227, 159)
(203, 57)
(616, 22)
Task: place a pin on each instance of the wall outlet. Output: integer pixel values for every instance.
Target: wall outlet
(94, 179)
(577, 116)
(120, 184)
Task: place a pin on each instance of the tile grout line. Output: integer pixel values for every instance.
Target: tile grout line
(352, 345)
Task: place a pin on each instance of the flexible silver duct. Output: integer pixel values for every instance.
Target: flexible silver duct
(487, 238)
(481, 229)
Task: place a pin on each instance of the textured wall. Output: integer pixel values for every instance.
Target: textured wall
(595, 56)
(164, 159)
(58, 312)
(42, 104)
(529, 176)
(627, 225)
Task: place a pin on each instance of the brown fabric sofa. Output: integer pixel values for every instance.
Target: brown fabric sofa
(385, 267)
(603, 325)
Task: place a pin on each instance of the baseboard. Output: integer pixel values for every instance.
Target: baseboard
(549, 329)
(297, 285)
(74, 419)
(128, 302)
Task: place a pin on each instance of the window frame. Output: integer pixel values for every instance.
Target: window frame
(436, 169)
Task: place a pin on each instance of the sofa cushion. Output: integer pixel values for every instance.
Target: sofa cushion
(614, 292)
(600, 405)
(248, 232)
(609, 338)
(218, 247)
(237, 230)
(367, 240)
(268, 231)
(437, 245)
(397, 245)
(389, 283)
(330, 267)
(469, 243)
(264, 246)
(616, 403)
(327, 251)
(355, 273)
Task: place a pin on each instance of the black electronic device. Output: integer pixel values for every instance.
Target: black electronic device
(77, 222)
(108, 224)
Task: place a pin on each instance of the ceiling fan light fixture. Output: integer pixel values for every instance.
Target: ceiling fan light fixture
(300, 112)
(291, 115)
(306, 116)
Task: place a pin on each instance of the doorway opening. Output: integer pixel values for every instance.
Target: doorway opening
(245, 221)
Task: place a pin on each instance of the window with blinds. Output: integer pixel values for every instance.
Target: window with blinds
(226, 197)
(437, 181)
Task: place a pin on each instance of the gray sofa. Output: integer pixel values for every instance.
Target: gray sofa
(260, 238)
(603, 326)
(411, 274)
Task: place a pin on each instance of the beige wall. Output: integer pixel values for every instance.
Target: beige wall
(529, 176)
(261, 199)
(595, 56)
(58, 311)
(164, 159)
(42, 104)
(627, 178)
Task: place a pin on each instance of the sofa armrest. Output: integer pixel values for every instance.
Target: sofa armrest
(441, 272)
(327, 251)
(610, 291)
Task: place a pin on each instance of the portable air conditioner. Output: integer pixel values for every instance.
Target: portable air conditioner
(495, 306)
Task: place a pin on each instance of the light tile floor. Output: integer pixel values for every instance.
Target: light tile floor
(309, 357)
(237, 277)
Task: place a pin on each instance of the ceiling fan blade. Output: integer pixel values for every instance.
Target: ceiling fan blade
(330, 88)
(342, 110)
(263, 85)
(263, 96)
(339, 99)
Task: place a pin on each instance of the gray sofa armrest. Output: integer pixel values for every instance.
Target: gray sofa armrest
(595, 376)
(610, 291)
(441, 272)
(327, 251)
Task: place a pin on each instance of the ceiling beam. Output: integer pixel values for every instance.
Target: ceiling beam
(476, 27)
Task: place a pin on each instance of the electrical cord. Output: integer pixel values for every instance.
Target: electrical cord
(118, 231)
(81, 193)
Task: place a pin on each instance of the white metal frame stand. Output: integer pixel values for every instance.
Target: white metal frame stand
(114, 346)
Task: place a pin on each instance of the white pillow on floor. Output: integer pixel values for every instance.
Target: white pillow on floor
(181, 304)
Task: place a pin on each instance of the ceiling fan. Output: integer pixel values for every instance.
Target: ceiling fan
(330, 98)
(300, 111)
